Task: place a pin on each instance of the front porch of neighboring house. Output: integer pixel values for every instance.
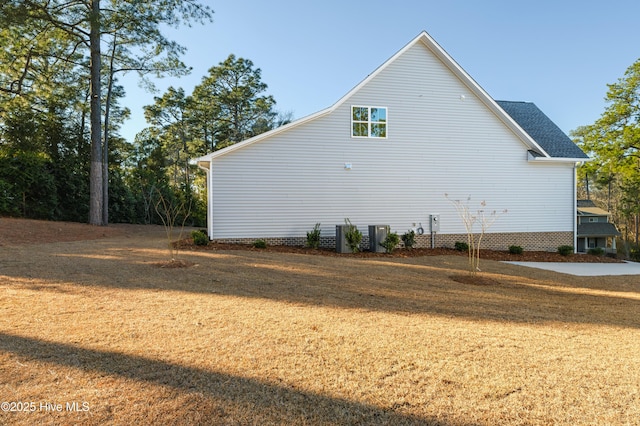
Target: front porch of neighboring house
(594, 228)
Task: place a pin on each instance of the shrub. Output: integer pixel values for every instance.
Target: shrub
(261, 244)
(461, 246)
(353, 236)
(409, 239)
(200, 237)
(565, 250)
(516, 250)
(313, 237)
(391, 242)
(597, 251)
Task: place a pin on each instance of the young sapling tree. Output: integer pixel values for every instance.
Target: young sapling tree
(470, 218)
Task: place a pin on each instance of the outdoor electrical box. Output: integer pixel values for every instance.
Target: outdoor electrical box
(435, 223)
(341, 240)
(377, 234)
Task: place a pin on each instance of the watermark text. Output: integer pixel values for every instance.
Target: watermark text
(48, 406)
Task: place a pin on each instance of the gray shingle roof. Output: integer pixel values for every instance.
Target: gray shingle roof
(586, 203)
(597, 230)
(542, 129)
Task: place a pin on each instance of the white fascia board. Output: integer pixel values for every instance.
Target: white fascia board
(576, 161)
(262, 136)
(468, 81)
(449, 62)
(377, 71)
(240, 145)
(203, 164)
(200, 161)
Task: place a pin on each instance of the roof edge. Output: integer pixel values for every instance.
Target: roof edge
(336, 105)
(447, 60)
(482, 94)
(466, 79)
(261, 136)
(533, 159)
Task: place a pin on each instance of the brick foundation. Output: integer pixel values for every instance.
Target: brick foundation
(529, 241)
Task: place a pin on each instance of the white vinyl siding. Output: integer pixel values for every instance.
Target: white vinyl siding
(444, 140)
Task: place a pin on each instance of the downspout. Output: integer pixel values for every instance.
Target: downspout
(575, 206)
(207, 170)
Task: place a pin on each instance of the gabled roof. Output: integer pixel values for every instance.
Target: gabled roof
(542, 130)
(592, 211)
(589, 208)
(528, 139)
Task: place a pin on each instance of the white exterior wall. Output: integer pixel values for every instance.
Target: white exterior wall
(437, 143)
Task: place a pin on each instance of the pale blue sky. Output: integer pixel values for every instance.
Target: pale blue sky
(559, 54)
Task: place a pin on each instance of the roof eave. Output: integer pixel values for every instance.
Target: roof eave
(464, 77)
(480, 92)
(209, 157)
(240, 145)
(450, 63)
(578, 161)
(616, 234)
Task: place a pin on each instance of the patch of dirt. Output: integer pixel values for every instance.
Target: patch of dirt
(477, 279)
(174, 264)
(527, 256)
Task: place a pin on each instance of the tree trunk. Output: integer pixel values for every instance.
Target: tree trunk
(105, 147)
(95, 176)
(609, 194)
(586, 184)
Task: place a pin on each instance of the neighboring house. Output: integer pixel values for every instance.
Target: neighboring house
(594, 228)
(417, 128)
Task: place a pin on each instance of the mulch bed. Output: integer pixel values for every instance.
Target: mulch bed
(24, 231)
(527, 256)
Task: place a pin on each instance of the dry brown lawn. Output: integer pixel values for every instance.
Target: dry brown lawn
(94, 332)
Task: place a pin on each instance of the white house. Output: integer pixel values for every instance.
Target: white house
(417, 128)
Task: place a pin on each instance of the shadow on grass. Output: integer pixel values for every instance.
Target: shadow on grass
(267, 403)
(414, 286)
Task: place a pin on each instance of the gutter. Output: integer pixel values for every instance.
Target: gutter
(576, 161)
(575, 206)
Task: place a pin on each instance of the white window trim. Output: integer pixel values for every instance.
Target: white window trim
(369, 107)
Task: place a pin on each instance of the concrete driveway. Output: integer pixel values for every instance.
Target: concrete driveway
(585, 269)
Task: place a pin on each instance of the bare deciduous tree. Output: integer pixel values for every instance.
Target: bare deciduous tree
(172, 213)
(469, 219)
